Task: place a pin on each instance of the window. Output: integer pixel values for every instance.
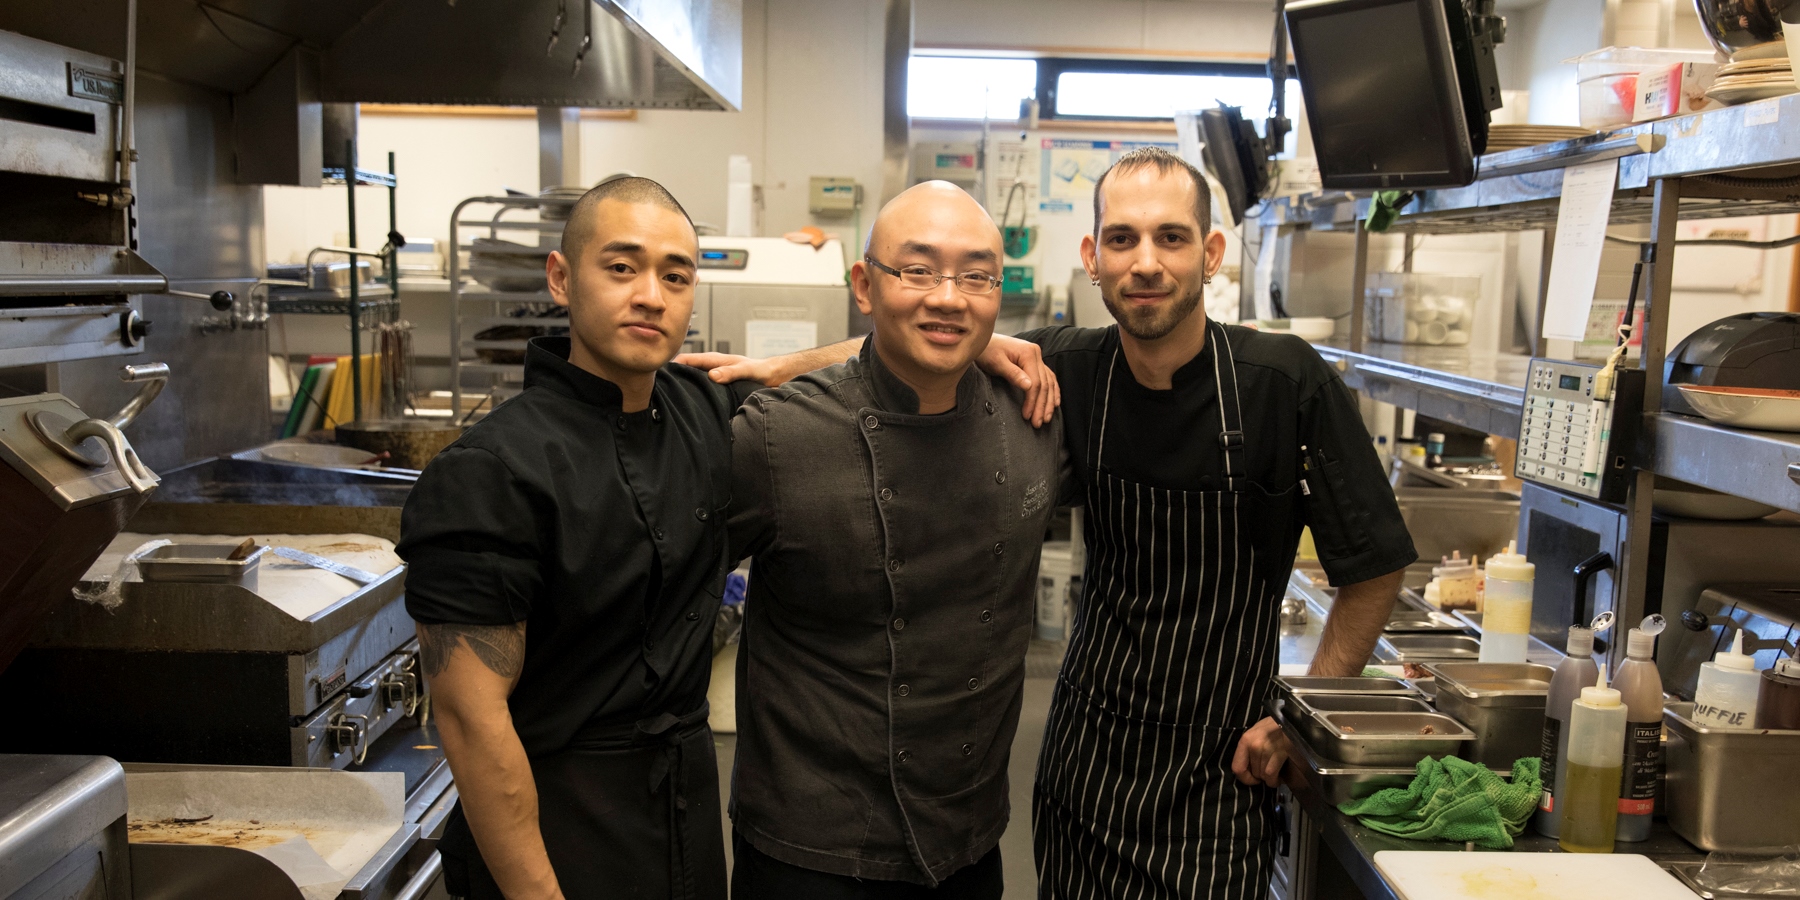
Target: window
(968, 87)
(1105, 89)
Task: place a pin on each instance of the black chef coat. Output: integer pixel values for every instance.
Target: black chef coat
(604, 531)
(1292, 399)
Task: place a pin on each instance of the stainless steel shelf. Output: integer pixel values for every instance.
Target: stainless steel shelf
(1757, 465)
(369, 298)
(1483, 391)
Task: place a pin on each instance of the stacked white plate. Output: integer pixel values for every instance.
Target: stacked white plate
(1744, 80)
(1511, 137)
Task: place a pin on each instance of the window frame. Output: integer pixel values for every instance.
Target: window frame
(1051, 68)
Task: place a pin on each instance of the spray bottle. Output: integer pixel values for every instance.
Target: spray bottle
(1640, 687)
(1590, 816)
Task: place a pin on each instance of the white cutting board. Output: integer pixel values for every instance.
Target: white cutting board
(1453, 875)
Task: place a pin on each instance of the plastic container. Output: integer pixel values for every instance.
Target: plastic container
(1596, 755)
(1506, 607)
(1607, 101)
(1420, 307)
(1640, 689)
(1576, 671)
(1455, 578)
(1725, 695)
(1607, 80)
(1778, 707)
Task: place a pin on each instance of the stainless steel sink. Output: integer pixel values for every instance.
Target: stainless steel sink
(1412, 648)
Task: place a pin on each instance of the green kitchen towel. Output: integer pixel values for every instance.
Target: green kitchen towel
(1455, 800)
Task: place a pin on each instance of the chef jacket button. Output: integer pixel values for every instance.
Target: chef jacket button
(999, 477)
(656, 533)
(903, 755)
(656, 415)
(895, 564)
(974, 684)
(701, 513)
(649, 646)
(871, 423)
(903, 690)
(621, 423)
(990, 407)
(987, 615)
(1000, 549)
(968, 749)
(885, 493)
(693, 617)
(899, 624)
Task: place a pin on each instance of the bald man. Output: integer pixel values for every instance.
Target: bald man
(894, 506)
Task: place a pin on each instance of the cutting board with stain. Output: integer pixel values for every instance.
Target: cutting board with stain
(1452, 875)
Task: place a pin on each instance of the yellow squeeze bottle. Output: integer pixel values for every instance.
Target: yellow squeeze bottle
(1590, 818)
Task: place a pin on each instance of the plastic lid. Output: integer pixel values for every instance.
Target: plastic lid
(1600, 694)
(1581, 641)
(1511, 565)
(1640, 644)
(1787, 667)
(1735, 658)
(1435, 437)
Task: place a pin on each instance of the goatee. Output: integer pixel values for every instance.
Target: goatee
(1153, 323)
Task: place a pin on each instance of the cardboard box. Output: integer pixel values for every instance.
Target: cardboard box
(1676, 89)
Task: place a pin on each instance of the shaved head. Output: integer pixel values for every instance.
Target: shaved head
(630, 189)
(928, 201)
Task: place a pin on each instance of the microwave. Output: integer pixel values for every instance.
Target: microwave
(1558, 531)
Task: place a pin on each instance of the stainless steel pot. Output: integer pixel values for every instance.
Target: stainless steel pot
(409, 443)
(1736, 25)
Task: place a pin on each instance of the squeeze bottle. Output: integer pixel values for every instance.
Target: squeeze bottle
(1640, 687)
(1577, 670)
(1725, 695)
(1506, 607)
(1455, 579)
(1778, 707)
(1596, 754)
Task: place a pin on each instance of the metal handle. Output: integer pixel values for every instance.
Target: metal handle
(1794, 472)
(68, 437)
(153, 376)
(1584, 573)
(422, 880)
(220, 300)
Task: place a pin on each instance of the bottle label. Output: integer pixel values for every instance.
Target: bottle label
(1643, 766)
(1709, 714)
(1547, 766)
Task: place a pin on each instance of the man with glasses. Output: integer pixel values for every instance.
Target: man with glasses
(894, 506)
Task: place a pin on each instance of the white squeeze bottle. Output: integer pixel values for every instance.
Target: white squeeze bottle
(1590, 815)
(1506, 609)
(1725, 696)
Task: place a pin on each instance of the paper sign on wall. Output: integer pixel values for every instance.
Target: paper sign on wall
(764, 338)
(1581, 218)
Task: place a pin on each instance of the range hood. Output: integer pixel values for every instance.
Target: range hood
(671, 54)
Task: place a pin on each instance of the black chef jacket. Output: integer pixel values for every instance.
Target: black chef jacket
(1292, 399)
(604, 531)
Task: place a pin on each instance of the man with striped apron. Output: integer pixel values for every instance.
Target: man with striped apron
(1203, 449)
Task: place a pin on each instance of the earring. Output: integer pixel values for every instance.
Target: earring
(1093, 281)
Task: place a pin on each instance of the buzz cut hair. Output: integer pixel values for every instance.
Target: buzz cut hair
(628, 189)
(1164, 163)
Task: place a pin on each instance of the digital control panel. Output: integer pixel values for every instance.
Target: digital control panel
(1569, 440)
(722, 258)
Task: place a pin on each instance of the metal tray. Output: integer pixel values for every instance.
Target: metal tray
(1405, 621)
(1306, 709)
(1390, 739)
(1731, 789)
(1414, 648)
(1338, 783)
(1503, 703)
(202, 563)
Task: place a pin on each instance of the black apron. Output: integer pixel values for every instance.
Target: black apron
(1170, 659)
(627, 813)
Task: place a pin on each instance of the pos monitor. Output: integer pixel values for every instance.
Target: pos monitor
(1383, 96)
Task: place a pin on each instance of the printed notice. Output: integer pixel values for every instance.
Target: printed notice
(1587, 193)
(764, 338)
(1762, 112)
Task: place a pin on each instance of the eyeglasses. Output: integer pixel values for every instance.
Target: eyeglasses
(926, 278)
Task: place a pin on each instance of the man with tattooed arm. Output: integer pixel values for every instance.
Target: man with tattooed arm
(566, 558)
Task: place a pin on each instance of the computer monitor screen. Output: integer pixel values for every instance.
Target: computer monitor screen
(1380, 84)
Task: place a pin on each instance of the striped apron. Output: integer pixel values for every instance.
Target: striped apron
(1170, 659)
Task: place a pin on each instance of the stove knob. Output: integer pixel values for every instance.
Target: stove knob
(361, 689)
(1694, 620)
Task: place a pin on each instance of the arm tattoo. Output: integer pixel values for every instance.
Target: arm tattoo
(499, 647)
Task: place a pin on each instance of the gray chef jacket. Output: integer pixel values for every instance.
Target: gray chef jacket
(890, 606)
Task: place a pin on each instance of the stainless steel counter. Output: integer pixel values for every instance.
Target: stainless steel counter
(1352, 847)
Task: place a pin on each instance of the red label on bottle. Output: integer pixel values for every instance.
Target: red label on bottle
(1636, 807)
